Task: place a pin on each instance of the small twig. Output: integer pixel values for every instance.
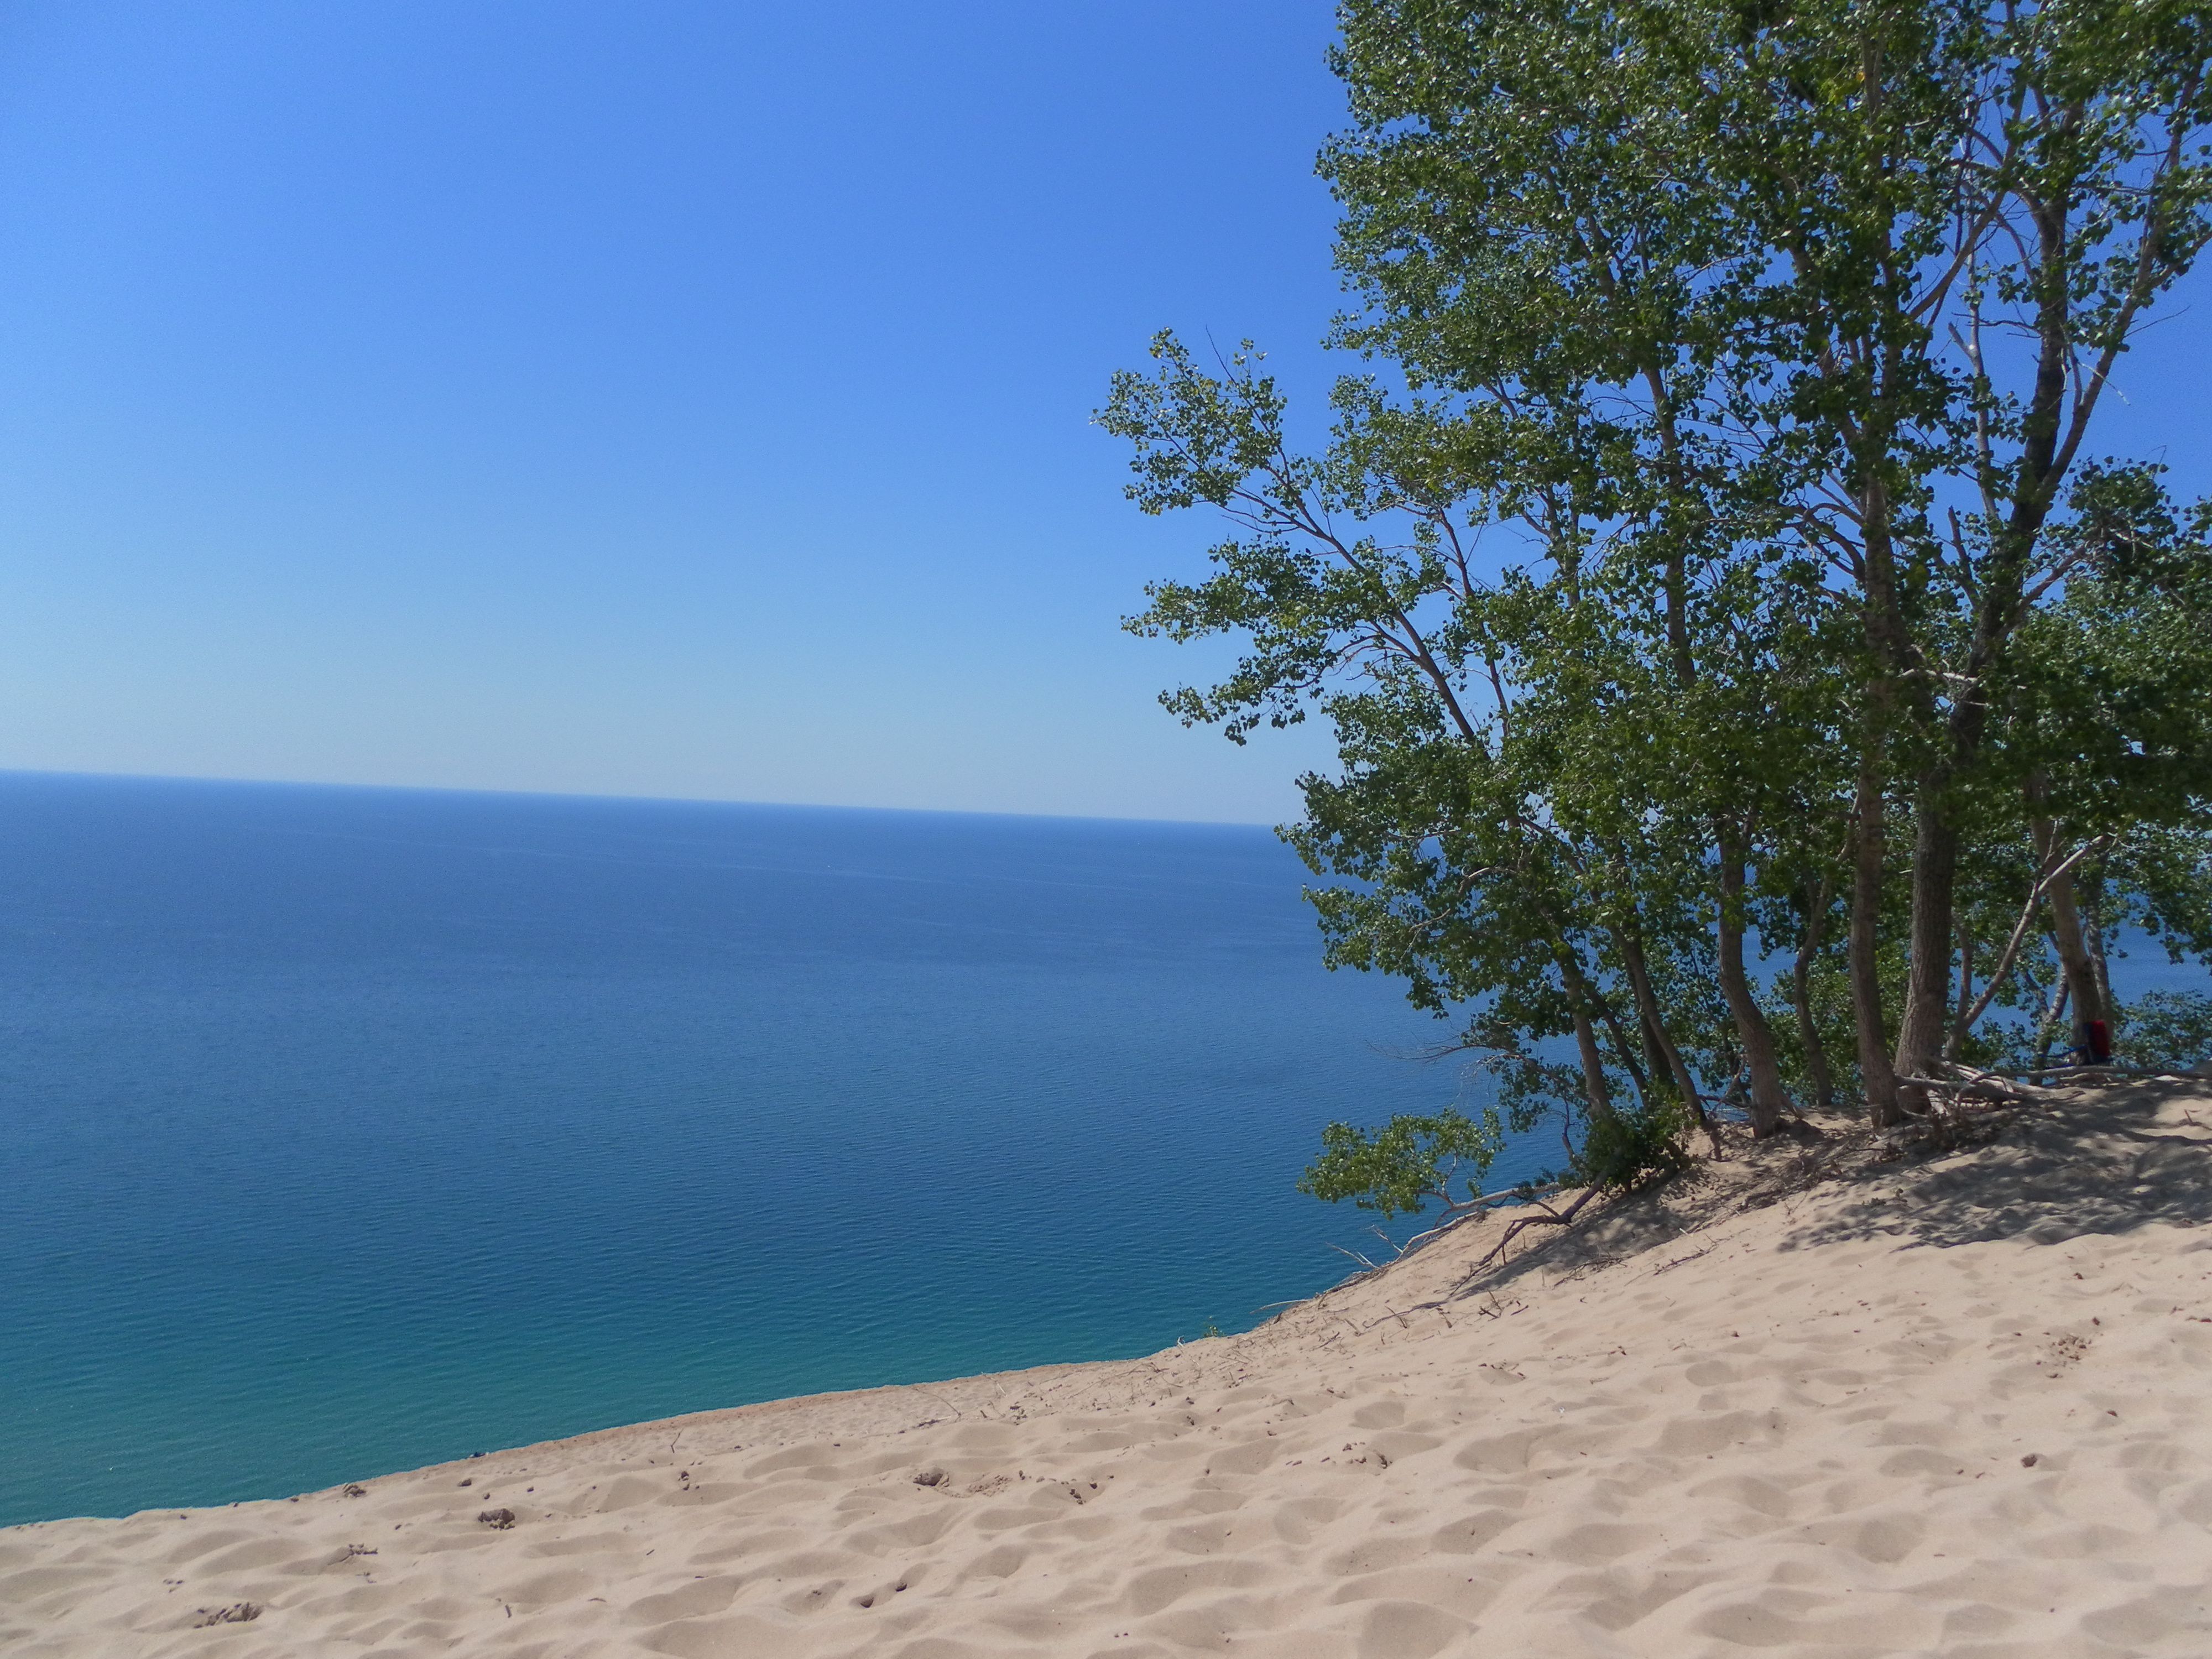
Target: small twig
(1366, 1265)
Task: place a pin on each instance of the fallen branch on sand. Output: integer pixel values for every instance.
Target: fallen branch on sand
(1981, 1088)
(1545, 1215)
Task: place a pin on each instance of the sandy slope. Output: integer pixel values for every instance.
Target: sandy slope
(1816, 1402)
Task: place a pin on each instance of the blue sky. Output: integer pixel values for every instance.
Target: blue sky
(660, 399)
(651, 399)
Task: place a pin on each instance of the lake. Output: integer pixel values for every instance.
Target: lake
(349, 1130)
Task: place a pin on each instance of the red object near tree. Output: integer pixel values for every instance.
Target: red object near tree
(2100, 1040)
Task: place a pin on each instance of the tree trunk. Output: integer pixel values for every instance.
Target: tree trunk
(1890, 640)
(1999, 612)
(1580, 996)
(1594, 1087)
(1800, 996)
(1666, 1058)
(1876, 1076)
(1769, 1103)
(1659, 1045)
(1935, 879)
(2073, 957)
(2047, 1029)
(2093, 940)
(1962, 1019)
(2084, 980)
(1635, 1076)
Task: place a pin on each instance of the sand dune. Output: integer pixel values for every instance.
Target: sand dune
(1825, 1400)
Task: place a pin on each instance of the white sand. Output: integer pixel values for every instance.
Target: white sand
(1789, 1408)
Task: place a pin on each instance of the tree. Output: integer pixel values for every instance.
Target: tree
(1766, 339)
(1878, 260)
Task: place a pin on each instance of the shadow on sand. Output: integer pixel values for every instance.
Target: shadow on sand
(2108, 1161)
(2105, 1160)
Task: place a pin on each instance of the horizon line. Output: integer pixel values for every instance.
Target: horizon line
(615, 796)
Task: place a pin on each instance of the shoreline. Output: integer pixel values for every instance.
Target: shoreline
(1821, 1397)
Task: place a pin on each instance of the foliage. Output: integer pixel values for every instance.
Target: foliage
(2168, 1029)
(1408, 1162)
(1631, 1150)
(1416, 1160)
(1711, 557)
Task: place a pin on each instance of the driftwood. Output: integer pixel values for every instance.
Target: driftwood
(1982, 1088)
(1547, 1217)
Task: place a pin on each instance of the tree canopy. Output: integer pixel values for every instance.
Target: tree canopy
(1751, 687)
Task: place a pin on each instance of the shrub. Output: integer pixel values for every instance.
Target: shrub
(1631, 1149)
(1397, 1169)
(2166, 1030)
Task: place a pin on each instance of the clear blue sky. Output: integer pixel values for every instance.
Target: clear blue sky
(661, 398)
(650, 397)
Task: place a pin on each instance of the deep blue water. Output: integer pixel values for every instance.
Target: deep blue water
(349, 1130)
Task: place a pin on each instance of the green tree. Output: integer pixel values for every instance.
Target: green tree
(1726, 570)
(1871, 263)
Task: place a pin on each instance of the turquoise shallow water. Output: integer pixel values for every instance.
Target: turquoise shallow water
(350, 1130)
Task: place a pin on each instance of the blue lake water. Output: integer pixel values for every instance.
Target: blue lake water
(346, 1131)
